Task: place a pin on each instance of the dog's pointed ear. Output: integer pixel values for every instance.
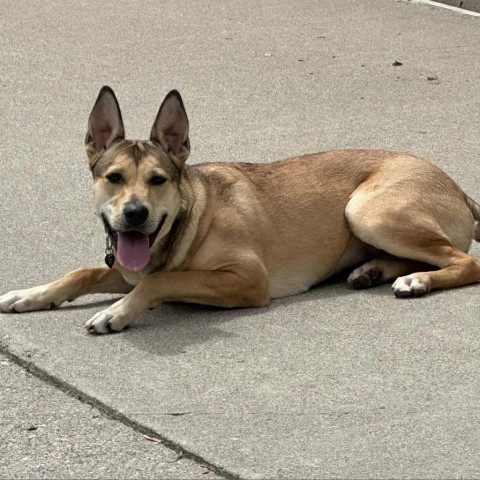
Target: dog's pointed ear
(105, 125)
(170, 128)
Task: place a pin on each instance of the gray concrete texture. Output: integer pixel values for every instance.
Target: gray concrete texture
(473, 5)
(44, 433)
(332, 383)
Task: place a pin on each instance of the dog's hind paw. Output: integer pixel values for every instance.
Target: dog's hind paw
(366, 276)
(410, 286)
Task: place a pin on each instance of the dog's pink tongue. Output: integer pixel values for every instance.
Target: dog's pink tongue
(133, 252)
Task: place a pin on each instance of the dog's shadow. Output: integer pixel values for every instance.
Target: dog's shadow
(173, 328)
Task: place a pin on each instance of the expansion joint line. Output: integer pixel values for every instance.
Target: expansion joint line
(112, 413)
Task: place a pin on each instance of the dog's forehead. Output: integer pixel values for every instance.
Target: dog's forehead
(150, 155)
(137, 154)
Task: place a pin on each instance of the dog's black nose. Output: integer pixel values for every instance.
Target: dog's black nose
(135, 214)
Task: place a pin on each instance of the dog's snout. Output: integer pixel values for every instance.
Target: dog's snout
(135, 213)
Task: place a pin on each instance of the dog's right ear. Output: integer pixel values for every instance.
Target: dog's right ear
(105, 125)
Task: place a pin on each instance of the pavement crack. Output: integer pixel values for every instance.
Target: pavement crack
(114, 414)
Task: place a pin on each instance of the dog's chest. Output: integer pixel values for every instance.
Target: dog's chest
(132, 278)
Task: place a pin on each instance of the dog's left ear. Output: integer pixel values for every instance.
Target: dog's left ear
(170, 128)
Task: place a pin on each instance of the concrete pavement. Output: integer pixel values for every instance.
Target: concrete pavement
(45, 433)
(330, 384)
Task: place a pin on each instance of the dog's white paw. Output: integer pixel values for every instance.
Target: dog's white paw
(36, 298)
(113, 319)
(410, 286)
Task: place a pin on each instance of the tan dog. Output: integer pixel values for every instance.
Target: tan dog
(239, 234)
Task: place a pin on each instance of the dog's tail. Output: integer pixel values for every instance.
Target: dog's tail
(475, 209)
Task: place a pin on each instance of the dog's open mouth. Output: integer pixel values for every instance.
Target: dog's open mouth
(133, 246)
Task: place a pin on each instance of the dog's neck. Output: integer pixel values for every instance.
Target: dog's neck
(171, 251)
(166, 248)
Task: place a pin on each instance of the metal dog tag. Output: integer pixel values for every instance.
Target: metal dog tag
(110, 259)
(109, 256)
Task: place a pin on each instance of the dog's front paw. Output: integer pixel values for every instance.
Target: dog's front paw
(113, 319)
(36, 298)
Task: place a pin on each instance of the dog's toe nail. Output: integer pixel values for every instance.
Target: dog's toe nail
(110, 328)
(402, 293)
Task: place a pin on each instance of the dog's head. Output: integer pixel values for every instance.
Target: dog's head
(136, 183)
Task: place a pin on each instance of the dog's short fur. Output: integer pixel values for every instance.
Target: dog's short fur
(239, 234)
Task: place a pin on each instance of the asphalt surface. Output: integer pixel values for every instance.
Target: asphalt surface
(330, 384)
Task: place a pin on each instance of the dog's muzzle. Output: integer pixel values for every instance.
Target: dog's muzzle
(132, 246)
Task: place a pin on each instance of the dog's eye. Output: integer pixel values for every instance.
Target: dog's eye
(114, 178)
(157, 180)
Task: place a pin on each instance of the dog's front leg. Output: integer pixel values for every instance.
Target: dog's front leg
(219, 288)
(75, 284)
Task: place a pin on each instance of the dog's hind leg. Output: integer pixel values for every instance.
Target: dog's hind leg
(456, 269)
(436, 230)
(75, 284)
